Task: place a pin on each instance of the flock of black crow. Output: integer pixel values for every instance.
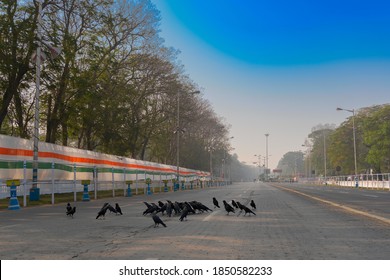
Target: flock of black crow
(237, 205)
(170, 208)
(182, 209)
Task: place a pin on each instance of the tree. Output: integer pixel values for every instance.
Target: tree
(17, 33)
(292, 164)
(376, 136)
(319, 155)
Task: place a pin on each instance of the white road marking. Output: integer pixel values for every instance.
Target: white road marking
(370, 195)
(209, 216)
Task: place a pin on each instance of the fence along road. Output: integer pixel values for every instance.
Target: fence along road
(287, 225)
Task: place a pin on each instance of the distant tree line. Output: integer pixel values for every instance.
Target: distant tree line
(332, 148)
(113, 89)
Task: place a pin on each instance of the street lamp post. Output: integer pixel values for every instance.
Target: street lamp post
(259, 164)
(354, 139)
(34, 191)
(39, 57)
(178, 131)
(308, 158)
(325, 170)
(266, 156)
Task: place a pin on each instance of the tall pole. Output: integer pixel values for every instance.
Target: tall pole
(178, 138)
(354, 140)
(266, 156)
(324, 157)
(211, 163)
(34, 192)
(259, 164)
(308, 158)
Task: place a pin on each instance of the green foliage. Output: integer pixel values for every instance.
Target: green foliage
(372, 131)
(113, 88)
(376, 136)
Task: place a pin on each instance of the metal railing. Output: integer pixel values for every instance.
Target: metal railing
(57, 178)
(369, 181)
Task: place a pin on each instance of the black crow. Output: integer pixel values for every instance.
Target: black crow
(253, 205)
(104, 205)
(102, 212)
(228, 207)
(71, 212)
(199, 206)
(68, 207)
(189, 207)
(215, 202)
(247, 210)
(112, 209)
(169, 208)
(184, 214)
(160, 203)
(176, 207)
(157, 221)
(147, 205)
(162, 209)
(240, 205)
(204, 207)
(234, 204)
(118, 209)
(151, 208)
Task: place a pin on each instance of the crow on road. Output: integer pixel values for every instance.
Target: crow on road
(68, 207)
(118, 209)
(102, 211)
(71, 212)
(228, 207)
(234, 204)
(215, 202)
(247, 210)
(184, 214)
(169, 208)
(253, 205)
(112, 209)
(240, 205)
(157, 221)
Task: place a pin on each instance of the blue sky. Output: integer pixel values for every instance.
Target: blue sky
(281, 67)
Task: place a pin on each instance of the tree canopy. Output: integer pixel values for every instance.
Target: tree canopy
(114, 88)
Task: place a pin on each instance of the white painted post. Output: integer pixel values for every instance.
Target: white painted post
(124, 181)
(95, 180)
(74, 183)
(24, 183)
(113, 183)
(52, 183)
(136, 183)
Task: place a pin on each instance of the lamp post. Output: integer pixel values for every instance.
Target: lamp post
(266, 156)
(259, 164)
(354, 139)
(308, 145)
(178, 131)
(34, 191)
(325, 171)
(39, 57)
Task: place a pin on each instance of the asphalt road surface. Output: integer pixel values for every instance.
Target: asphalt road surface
(291, 222)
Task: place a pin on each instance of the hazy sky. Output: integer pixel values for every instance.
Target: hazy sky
(281, 67)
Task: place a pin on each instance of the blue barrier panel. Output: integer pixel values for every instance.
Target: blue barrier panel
(86, 183)
(13, 201)
(128, 193)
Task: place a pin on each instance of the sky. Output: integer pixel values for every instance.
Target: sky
(281, 67)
